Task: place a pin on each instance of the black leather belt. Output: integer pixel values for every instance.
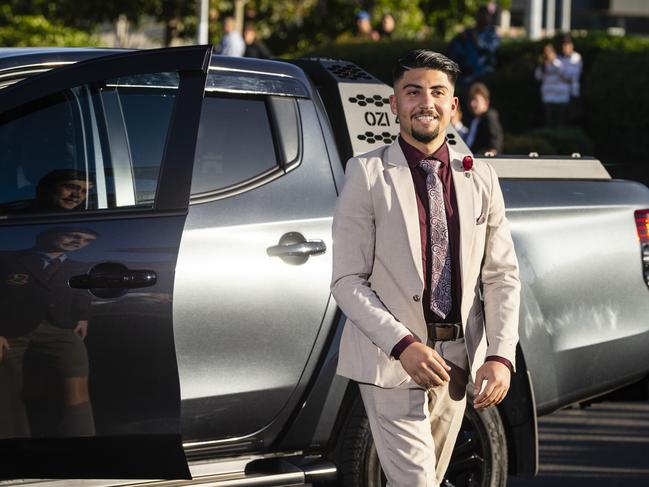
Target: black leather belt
(444, 332)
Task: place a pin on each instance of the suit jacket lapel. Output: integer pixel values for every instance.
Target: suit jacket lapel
(398, 171)
(34, 265)
(464, 195)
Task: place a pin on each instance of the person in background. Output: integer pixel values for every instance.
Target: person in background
(555, 90)
(572, 67)
(485, 134)
(474, 49)
(387, 27)
(364, 28)
(458, 125)
(232, 43)
(255, 47)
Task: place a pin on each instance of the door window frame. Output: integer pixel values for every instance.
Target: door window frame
(191, 63)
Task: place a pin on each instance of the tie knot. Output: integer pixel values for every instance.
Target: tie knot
(431, 166)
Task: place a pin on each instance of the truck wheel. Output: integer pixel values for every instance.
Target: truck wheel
(480, 454)
(479, 458)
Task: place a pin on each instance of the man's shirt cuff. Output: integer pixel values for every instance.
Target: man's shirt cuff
(502, 360)
(402, 345)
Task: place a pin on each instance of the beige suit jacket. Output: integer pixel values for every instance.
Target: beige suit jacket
(377, 268)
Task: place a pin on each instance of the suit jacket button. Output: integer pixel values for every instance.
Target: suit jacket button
(416, 298)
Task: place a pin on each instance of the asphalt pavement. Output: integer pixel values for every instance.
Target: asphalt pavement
(606, 444)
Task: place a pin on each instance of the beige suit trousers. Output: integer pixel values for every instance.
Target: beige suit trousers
(414, 430)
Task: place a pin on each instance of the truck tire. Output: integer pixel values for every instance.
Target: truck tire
(479, 458)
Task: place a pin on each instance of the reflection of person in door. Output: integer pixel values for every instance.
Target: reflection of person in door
(43, 360)
(63, 189)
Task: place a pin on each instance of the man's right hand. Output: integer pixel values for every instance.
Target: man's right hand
(4, 346)
(426, 367)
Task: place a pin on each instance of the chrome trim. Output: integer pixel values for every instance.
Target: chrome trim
(235, 91)
(237, 70)
(254, 82)
(113, 85)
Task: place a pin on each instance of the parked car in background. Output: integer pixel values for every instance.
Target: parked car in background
(208, 186)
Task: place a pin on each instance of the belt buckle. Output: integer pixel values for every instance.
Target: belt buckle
(455, 327)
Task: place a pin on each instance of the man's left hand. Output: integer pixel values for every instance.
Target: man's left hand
(497, 377)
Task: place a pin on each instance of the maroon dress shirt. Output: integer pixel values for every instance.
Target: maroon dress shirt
(413, 156)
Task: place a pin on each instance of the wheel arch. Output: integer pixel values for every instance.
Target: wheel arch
(518, 413)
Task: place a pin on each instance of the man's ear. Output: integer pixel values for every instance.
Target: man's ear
(454, 104)
(393, 104)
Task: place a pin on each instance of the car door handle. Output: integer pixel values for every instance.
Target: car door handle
(113, 276)
(311, 247)
(294, 249)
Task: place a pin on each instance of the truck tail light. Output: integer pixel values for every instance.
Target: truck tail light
(642, 226)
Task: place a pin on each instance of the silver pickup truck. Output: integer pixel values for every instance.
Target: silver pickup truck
(174, 208)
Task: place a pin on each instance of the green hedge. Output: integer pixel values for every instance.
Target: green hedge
(549, 141)
(616, 105)
(614, 90)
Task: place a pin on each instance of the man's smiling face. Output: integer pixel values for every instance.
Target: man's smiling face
(71, 241)
(424, 102)
(70, 194)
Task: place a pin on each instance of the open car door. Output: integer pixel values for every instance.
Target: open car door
(96, 163)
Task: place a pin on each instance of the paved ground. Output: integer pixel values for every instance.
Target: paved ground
(606, 444)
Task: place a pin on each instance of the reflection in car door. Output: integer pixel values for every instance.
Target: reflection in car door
(90, 227)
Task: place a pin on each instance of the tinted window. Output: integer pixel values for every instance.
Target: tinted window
(40, 138)
(147, 104)
(86, 147)
(235, 143)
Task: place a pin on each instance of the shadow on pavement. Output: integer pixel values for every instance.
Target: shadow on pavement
(606, 444)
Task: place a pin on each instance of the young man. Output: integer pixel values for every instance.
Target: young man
(417, 229)
(485, 133)
(63, 190)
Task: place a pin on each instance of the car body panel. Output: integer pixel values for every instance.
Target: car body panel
(584, 302)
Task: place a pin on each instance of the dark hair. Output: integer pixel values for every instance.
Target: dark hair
(47, 183)
(566, 38)
(479, 89)
(423, 58)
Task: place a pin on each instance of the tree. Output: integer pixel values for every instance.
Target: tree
(444, 16)
(37, 30)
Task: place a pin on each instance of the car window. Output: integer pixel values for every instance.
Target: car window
(95, 146)
(235, 143)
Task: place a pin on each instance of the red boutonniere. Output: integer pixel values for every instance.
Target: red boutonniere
(467, 163)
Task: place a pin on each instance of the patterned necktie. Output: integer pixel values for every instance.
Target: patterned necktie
(440, 267)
